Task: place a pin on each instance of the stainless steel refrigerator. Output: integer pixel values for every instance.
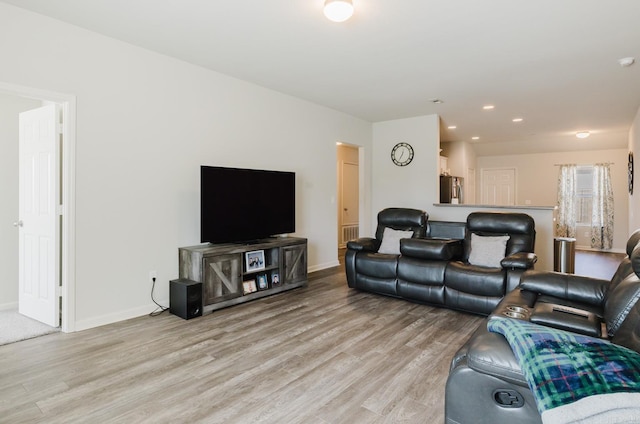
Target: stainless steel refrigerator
(451, 189)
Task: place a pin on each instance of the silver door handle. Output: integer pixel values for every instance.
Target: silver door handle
(18, 224)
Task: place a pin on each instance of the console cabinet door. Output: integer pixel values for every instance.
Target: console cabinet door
(295, 263)
(222, 278)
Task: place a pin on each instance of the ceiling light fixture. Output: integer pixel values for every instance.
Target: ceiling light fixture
(488, 107)
(626, 61)
(517, 120)
(475, 138)
(338, 10)
(583, 134)
(452, 127)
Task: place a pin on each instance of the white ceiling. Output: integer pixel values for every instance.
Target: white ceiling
(552, 62)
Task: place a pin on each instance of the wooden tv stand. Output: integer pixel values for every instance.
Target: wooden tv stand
(222, 269)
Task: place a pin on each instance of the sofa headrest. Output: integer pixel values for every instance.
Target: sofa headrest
(501, 223)
(402, 219)
(633, 242)
(520, 227)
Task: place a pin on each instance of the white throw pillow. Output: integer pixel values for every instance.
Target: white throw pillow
(391, 240)
(487, 251)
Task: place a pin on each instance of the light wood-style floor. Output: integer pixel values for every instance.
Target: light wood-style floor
(319, 354)
(597, 264)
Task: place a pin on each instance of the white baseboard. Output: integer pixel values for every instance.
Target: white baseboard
(117, 316)
(590, 249)
(325, 265)
(8, 306)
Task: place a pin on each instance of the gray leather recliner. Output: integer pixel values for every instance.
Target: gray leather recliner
(485, 383)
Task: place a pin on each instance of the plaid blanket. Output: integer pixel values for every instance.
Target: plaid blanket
(574, 378)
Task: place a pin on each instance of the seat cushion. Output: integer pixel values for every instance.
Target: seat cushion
(377, 265)
(475, 279)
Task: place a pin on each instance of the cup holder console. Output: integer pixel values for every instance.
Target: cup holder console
(519, 309)
(515, 311)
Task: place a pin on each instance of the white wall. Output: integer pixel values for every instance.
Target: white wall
(634, 199)
(411, 186)
(537, 180)
(10, 107)
(145, 123)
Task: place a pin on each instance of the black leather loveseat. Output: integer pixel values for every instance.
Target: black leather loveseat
(487, 384)
(436, 263)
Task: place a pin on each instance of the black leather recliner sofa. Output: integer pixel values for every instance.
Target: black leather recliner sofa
(486, 384)
(433, 265)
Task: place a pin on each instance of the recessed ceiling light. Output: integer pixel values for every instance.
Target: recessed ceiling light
(583, 134)
(517, 120)
(475, 138)
(338, 143)
(452, 127)
(488, 107)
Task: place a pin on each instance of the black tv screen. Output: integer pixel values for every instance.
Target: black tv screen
(239, 205)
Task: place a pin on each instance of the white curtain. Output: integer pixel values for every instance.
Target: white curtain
(602, 214)
(567, 203)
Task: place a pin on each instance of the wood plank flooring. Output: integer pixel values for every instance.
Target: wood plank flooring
(597, 264)
(318, 354)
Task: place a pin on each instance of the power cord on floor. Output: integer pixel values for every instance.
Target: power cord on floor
(160, 309)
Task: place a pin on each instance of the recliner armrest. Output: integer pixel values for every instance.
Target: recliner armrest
(520, 260)
(577, 288)
(489, 353)
(435, 249)
(364, 244)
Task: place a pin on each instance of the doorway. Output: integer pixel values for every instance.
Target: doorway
(348, 178)
(65, 239)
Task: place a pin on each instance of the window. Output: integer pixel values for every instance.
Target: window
(584, 195)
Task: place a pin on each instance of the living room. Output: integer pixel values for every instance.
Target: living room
(144, 123)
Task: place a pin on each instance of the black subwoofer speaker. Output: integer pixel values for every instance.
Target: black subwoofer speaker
(185, 298)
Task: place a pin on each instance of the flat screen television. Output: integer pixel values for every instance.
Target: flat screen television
(240, 205)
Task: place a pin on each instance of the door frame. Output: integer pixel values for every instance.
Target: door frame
(68, 178)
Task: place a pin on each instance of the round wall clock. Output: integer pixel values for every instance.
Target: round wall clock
(402, 154)
(630, 172)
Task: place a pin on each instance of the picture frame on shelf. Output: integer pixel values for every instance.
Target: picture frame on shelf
(249, 287)
(254, 260)
(275, 279)
(262, 282)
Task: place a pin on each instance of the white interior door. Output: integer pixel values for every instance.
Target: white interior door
(498, 186)
(349, 202)
(38, 225)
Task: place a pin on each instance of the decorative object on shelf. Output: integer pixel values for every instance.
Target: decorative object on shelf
(630, 172)
(249, 287)
(255, 260)
(275, 279)
(263, 283)
(338, 10)
(402, 154)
